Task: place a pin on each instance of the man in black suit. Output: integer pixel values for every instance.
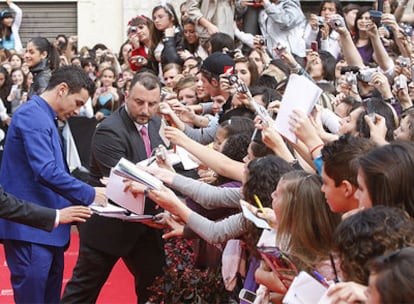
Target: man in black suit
(104, 240)
(20, 211)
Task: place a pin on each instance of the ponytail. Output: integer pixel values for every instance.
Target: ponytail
(43, 45)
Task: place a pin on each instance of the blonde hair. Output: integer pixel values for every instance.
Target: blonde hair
(307, 224)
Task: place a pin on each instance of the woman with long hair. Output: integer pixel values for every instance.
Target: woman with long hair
(42, 58)
(305, 225)
(167, 34)
(10, 37)
(140, 31)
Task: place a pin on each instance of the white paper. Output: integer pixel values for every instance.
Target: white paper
(127, 169)
(109, 208)
(181, 156)
(304, 290)
(115, 191)
(300, 94)
(260, 223)
(184, 156)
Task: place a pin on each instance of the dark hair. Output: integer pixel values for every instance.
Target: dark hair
(235, 147)
(6, 87)
(338, 6)
(264, 175)
(362, 10)
(394, 276)
(338, 155)
(368, 234)
(268, 94)
(384, 109)
(191, 47)
(147, 79)
(328, 64)
(259, 149)
(85, 61)
(237, 125)
(219, 41)
(251, 66)
(3, 15)
(99, 46)
(43, 45)
(120, 55)
(156, 35)
(74, 76)
(389, 175)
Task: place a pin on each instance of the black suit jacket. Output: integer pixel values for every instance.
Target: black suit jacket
(116, 137)
(23, 212)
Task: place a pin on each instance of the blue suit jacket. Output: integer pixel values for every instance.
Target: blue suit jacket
(33, 168)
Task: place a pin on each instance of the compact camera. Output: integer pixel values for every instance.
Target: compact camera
(279, 49)
(321, 21)
(403, 61)
(133, 30)
(233, 79)
(366, 74)
(262, 41)
(401, 82)
(336, 21)
(350, 78)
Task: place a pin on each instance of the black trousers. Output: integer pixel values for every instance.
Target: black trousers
(93, 267)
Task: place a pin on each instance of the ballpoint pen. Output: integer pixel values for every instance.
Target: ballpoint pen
(259, 203)
(321, 279)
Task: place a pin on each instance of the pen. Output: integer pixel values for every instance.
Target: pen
(259, 203)
(151, 160)
(336, 279)
(321, 279)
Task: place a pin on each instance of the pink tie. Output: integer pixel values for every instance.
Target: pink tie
(146, 139)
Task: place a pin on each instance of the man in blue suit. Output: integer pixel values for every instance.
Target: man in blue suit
(34, 169)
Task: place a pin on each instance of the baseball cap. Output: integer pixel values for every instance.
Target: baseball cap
(217, 63)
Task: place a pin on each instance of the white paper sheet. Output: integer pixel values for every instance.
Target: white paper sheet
(300, 94)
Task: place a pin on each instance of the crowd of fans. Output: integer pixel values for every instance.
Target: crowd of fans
(340, 200)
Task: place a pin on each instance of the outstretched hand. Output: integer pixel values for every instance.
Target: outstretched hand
(74, 214)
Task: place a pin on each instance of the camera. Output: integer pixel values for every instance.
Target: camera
(262, 41)
(336, 21)
(350, 78)
(349, 68)
(403, 61)
(133, 30)
(233, 79)
(321, 21)
(366, 74)
(401, 82)
(279, 49)
(407, 30)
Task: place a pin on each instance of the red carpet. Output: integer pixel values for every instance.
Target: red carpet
(119, 288)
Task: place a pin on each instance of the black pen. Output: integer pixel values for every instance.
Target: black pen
(151, 160)
(336, 279)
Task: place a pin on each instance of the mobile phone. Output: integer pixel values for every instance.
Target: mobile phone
(247, 296)
(376, 17)
(314, 46)
(369, 107)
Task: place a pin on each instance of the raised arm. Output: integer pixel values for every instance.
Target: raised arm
(218, 162)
